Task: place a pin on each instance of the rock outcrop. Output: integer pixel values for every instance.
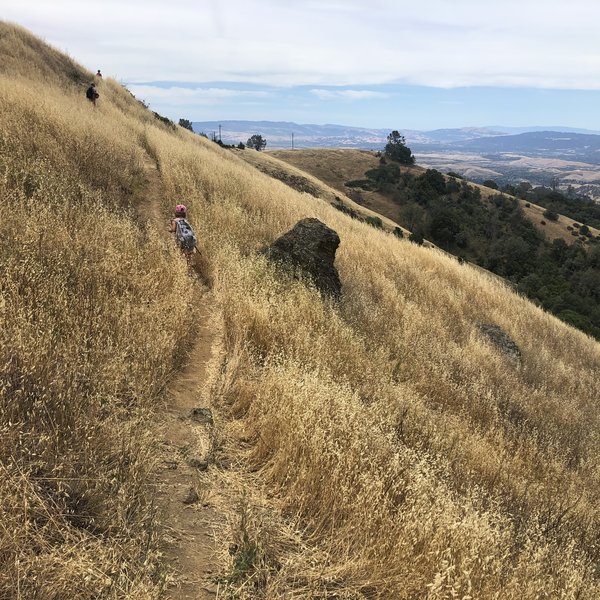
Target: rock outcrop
(503, 342)
(310, 247)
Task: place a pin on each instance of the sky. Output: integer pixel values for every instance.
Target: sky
(395, 64)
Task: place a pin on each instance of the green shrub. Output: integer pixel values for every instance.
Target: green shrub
(551, 215)
(346, 210)
(416, 237)
(164, 120)
(365, 184)
(374, 222)
(490, 183)
(186, 124)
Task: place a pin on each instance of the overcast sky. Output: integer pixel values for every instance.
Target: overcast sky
(375, 63)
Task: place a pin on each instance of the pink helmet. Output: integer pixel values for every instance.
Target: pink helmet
(180, 208)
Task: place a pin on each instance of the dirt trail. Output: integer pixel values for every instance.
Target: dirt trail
(186, 497)
(186, 489)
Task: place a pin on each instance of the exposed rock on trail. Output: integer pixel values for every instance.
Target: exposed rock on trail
(191, 497)
(202, 415)
(310, 247)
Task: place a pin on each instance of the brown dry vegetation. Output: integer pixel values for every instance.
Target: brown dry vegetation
(421, 460)
(330, 186)
(408, 458)
(337, 166)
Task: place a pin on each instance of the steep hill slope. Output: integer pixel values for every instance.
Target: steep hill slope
(550, 258)
(93, 309)
(327, 188)
(388, 448)
(336, 167)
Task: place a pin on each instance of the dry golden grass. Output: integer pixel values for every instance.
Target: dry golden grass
(409, 458)
(423, 462)
(92, 308)
(278, 164)
(337, 166)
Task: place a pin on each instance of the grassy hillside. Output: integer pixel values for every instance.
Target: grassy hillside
(336, 167)
(327, 188)
(409, 456)
(92, 308)
(548, 257)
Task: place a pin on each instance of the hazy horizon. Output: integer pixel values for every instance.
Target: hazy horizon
(500, 128)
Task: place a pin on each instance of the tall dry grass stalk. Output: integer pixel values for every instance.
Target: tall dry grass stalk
(93, 307)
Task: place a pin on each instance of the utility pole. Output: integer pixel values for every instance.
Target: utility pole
(292, 140)
(220, 134)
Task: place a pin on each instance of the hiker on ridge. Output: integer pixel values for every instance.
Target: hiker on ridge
(98, 74)
(91, 94)
(184, 234)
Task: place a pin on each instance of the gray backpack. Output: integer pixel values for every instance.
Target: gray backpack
(185, 236)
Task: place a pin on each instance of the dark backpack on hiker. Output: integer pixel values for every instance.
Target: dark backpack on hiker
(185, 236)
(91, 93)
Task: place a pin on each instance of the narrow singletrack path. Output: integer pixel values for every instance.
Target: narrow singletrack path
(187, 493)
(193, 524)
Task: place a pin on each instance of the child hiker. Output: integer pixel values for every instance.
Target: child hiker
(184, 234)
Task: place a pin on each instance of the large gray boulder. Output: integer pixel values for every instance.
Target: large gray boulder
(309, 247)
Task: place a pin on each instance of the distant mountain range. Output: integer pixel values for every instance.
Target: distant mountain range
(279, 134)
(546, 144)
(538, 155)
(541, 141)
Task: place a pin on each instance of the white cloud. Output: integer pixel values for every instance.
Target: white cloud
(533, 43)
(347, 94)
(182, 96)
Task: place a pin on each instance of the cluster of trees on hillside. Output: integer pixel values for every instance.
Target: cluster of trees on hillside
(570, 204)
(579, 208)
(495, 234)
